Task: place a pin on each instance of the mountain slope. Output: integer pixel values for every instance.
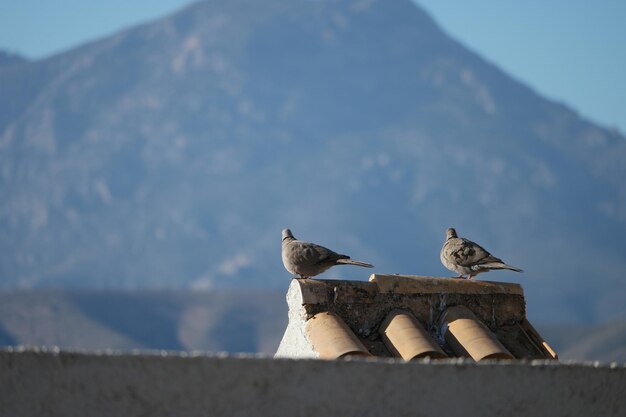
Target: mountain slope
(9, 60)
(172, 155)
(174, 320)
(604, 342)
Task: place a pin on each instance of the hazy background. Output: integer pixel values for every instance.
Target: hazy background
(146, 171)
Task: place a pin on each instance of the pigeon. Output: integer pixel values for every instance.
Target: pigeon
(468, 258)
(308, 259)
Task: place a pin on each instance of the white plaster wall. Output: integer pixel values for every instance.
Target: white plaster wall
(295, 343)
(36, 383)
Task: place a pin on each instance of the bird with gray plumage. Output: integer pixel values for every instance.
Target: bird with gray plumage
(468, 258)
(308, 259)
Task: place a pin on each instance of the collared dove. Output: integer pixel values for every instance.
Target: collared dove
(468, 258)
(308, 259)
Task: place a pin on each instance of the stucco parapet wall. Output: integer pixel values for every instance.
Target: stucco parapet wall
(48, 382)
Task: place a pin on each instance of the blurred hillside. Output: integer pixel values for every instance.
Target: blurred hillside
(174, 320)
(601, 342)
(172, 154)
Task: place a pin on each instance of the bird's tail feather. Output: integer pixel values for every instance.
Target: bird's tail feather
(357, 263)
(501, 265)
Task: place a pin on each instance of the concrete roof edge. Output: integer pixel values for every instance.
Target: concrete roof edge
(202, 355)
(407, 284)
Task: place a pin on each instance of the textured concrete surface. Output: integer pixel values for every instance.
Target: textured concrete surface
(49, 383)
(295, 343)
(364, 305)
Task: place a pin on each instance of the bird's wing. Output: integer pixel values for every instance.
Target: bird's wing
(313, 254)
(467, 253)
(326, 255)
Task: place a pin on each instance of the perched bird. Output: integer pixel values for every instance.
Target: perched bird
(468, 258)
(308, 259)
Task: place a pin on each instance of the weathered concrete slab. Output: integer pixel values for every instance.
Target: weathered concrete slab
(35, 383)
(411, 284)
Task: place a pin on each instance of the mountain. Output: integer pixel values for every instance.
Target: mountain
(10, 60)
(170, 155)
(604, 342)
(123, 320)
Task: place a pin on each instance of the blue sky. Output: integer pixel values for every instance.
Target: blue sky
(573, 51)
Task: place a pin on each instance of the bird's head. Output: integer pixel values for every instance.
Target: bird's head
(450, 233)
(287, 234)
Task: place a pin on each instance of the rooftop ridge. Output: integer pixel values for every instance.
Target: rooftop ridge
(409, 316)
(426, 284)
(321, 291)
